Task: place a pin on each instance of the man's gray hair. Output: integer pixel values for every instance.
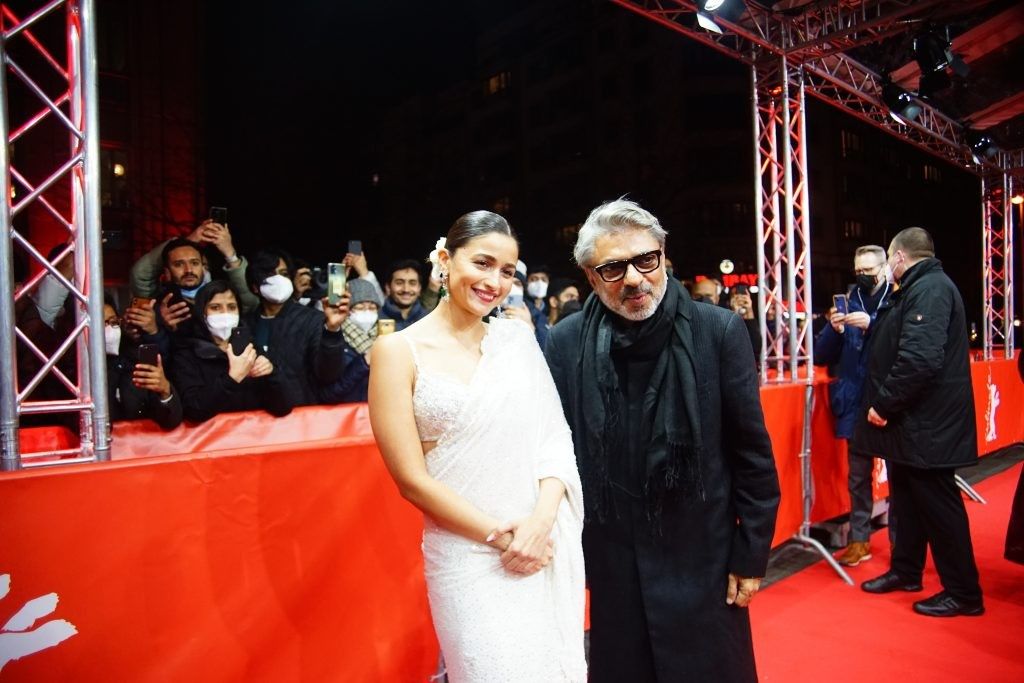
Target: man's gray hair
(612, 218)
(871, 249)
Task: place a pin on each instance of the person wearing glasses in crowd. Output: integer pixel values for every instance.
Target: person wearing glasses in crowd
(471, 429)
(844, 344)
(678, 475)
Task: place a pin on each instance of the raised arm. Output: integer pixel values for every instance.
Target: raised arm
(394, 427)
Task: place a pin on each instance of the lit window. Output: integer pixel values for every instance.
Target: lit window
(498, 82)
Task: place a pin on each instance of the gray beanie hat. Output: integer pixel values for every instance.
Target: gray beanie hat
(360, 290)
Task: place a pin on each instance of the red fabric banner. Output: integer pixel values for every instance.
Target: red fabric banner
(255, 548)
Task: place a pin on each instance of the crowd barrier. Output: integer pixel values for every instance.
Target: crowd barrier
(254, 548)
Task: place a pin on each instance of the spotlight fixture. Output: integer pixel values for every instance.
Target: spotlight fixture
(933, 52)
(1017, 199)
(982, 146)
(901, 104)
(705, 10)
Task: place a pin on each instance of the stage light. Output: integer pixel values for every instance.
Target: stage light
(982, 146)
(933, 52)
(119, 170)
(710, 5)
(726, 266)
(1017, 199)
(901, 104)
(705, 10)
(707, 23)
(754, 289)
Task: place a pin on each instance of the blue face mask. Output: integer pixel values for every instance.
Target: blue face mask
(191, 293)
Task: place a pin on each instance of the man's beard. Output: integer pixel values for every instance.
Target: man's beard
(619, 307)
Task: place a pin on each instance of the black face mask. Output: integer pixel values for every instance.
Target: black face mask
(866, 282)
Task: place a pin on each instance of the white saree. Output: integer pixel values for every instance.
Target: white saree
(504, 434)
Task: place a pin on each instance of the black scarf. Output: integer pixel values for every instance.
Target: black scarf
(671, 419)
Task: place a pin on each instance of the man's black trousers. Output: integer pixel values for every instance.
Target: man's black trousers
(931, 513)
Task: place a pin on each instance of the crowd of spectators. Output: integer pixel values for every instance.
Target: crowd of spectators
(205, 330)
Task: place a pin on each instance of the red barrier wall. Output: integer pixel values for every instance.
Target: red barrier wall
(253, 548)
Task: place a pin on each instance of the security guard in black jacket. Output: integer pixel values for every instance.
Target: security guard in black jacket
(919, 407)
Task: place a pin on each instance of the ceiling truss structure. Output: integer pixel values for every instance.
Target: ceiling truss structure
(805, 50)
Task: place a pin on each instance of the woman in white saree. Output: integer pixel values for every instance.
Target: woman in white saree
(471, 428)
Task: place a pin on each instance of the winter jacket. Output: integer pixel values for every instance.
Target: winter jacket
(200, 374)
(919, 376)
(308, 355)
(849, 351)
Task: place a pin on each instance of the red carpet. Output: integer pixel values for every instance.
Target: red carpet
(814, 627)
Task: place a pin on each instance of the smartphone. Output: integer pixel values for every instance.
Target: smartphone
(335, 282)
(240, 338)
(514, 300)
(140, 303)
(841, 303)
(219, 214)
(355, 246)
(148, 354)
(385, 326)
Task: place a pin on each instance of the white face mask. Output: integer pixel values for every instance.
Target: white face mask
(112, 339)
(50, 296)
(538, 289)
(364, 319)
(221, 324)
(190, 294)
(277, 289)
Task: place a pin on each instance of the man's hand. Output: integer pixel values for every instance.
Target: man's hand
(858, 319)
(741, 590)
(241, 365)
(357, 262)
(334, 316)
(152, 378)
(876, 419)
(219, 236)
(142, 318)
(174, 315)
(836, 319)
(743, 306)
(261, 368)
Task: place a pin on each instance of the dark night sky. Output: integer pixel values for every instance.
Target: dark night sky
(292, 93)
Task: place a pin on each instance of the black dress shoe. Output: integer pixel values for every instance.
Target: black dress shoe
(889, 582)
(945, 605)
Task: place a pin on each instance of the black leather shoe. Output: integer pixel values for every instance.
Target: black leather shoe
(945, 605)
(889, 582)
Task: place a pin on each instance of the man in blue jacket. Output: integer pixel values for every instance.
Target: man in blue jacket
(844, 342)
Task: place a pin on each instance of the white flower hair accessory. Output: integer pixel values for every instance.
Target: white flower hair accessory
(433, 258)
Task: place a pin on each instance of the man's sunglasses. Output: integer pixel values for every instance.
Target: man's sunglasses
(613, 271)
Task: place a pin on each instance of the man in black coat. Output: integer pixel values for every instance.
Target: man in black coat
(919, 408)
(679, 481)
(307, 346)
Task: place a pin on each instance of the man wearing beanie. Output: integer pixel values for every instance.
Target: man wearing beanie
(360, 331)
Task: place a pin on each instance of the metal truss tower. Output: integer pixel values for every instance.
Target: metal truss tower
(74, 103)
(812, 44)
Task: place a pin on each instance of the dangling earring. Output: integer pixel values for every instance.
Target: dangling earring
(444, 286)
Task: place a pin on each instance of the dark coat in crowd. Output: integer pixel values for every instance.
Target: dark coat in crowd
(353, 384)
(682, 569)
(848, 351)
(389, 311)
(303, 350)
(200, 374)
(129, 402)
(919, 376)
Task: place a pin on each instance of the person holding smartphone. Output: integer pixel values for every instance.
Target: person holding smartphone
(842, 344)
(137, 387)
(212, 375)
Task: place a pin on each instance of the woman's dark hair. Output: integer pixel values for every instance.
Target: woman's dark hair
(475, 224)
(208, 291)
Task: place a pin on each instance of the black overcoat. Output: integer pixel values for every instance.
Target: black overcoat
(683, 571)
(919, 376)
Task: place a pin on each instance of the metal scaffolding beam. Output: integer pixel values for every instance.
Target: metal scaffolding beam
(76, 109)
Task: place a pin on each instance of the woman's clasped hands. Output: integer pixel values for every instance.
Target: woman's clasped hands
(526, 544)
